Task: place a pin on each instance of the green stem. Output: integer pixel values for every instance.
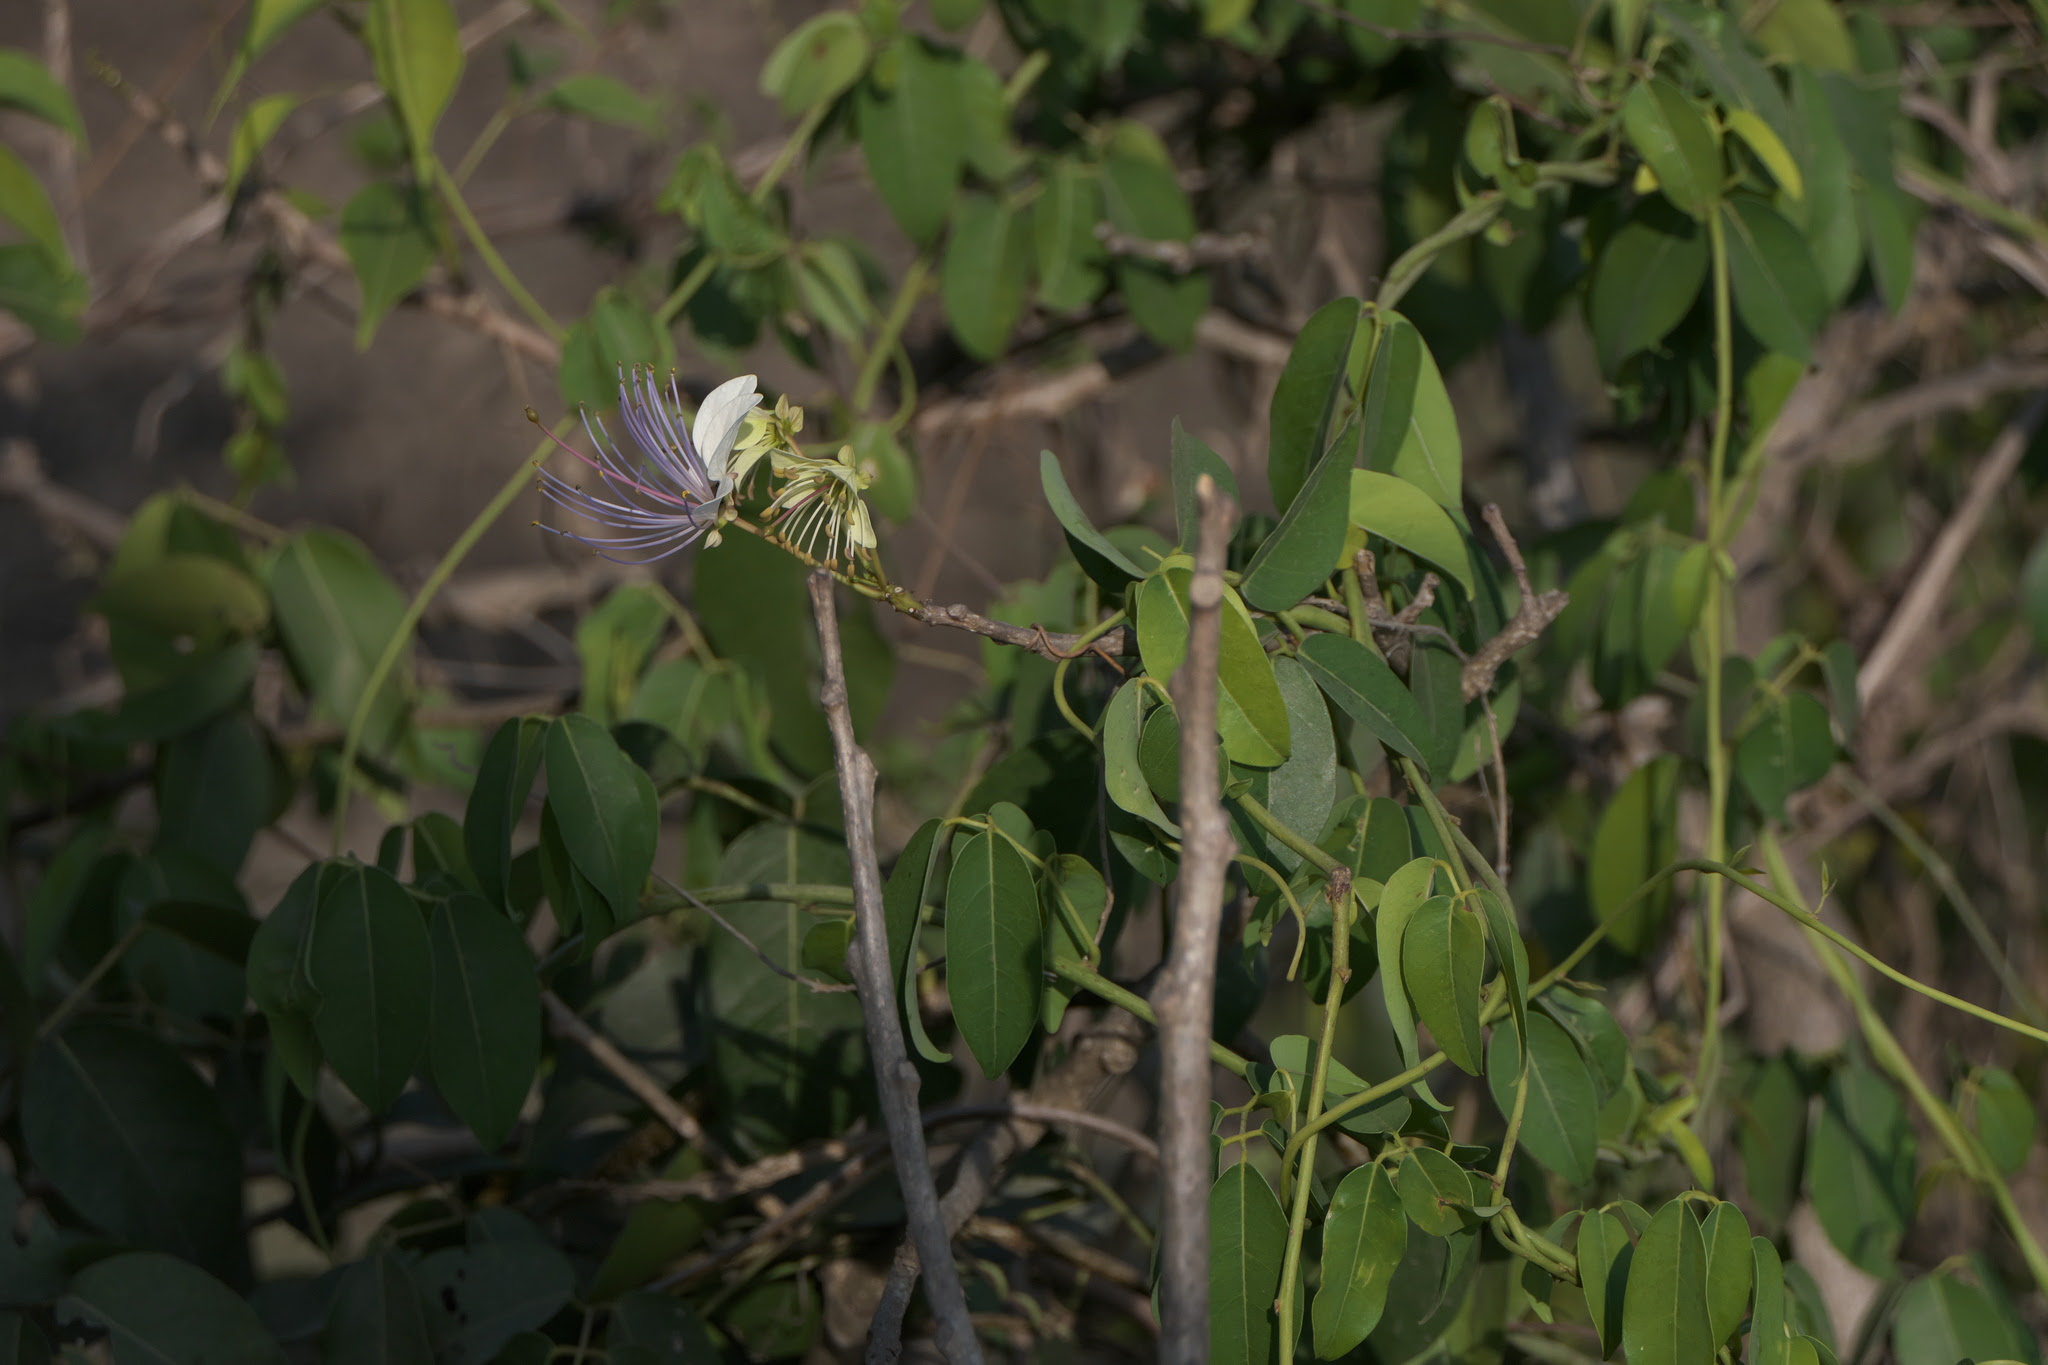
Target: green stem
(485, 140)
(451, 194)
(83, 990)
(1304, 1173)
(1713, 630)
(1100, 985)
(1416, 260)
(299, 1178)
(1944, 877)
(1354, 1102)
(1440, 820)
(791, 148)
(1885, 1049)
(679, 297)
(407, 623)
(1271, 823)
(1985, 207)
(884, 345)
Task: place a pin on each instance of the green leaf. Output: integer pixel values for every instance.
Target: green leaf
(614, 643)
(1789, 749)
(1406, 891)
(819, 61)
(1558, 1119)
(1191, 459)
(1072, 890)
(497, 802)
(982, 283)
(1435, 1191)
(1247, 1240)
(1726, 1233)
(253, 133)
(1435, 681)
(418, 51)
(371, 963)
(484, 1039)
(213, 789)
(618, 333)
(23, 203)
(1301, 791)
(913, 135)
(1778, 292)
(1251, 715)
(1769, 148)
(1770, 1343)
(160, 1309)
(2003, 1117)
(1810, 33)
(1604, 1256)
(1163, 619)
(1941, 1319)
(377, 1318)
(1144, 199)
(1121, 773)
(336, 611)
(126, 1132)
(994, 952)
(1668, 132)
(1307, 400)
(606, 100)
(27, 85)
(1364, 1238)
(1645, 282)
(480, 1297)
(1360, 683)
(1410, 429)
(1298, 556)
(1829, 209)
(276, 974)
(609, 815)
(1443, 954)
(21, 1341)
(1404, 514)
(1770, 1136)
(988, 147)
(1105, 563)
(1860, 1165)
(1664, 1318)
(1637, 837)
(1070, 257)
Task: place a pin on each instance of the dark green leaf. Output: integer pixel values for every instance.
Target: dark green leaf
(1558, 1118)
(133, 1140)
(1838, 667)
(982, 284)
(913, 884)
(1771, 1137)
(1443, 953)
(389, 237)
(913, 135)
(1364, 1239)
(1301, 791)
(1247, 1239)
(162, 1311)
(1668, 132)
(1307, 400)
(607, 808)
(497, 802)
(1410, 429)
(1791, 748)
(277, 979)
(1729, 1270)
(370, 961)
(1637, 837)
(1645, 282)
(1435, 681)
(484, 1042)
(1770, 1343)
(1860, 1168)
(1778, 291)
(1406, 892)
(1604, 1256)
(995, 959)
(2003, 1117)
(1435, 1191)
(22, 1342)
(614, 643)
(376, 1318)
(1940, 1320)
(1069, 255)
(1303, 550)
(1360, 683)
(1105, 563)
(480, 1297)
(213, 790)
(337, 611)
(1664, 1319)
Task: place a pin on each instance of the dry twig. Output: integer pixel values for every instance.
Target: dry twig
(1532, 618)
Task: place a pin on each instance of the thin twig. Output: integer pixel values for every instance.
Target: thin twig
(1182, 258)
(809, 984)
(1916, 611)
(1532, 617)
(896, 1079)
(1185, 996)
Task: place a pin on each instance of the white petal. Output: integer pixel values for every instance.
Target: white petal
(718, 422)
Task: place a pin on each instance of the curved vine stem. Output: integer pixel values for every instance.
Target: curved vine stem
(401, 636)
(1713, 637)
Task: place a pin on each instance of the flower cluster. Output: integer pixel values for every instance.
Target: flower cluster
(680, 488)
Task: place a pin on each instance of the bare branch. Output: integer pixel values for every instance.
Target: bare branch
(1532, 618)
(896, 1080)
(1182, 258)
(1185, 996)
